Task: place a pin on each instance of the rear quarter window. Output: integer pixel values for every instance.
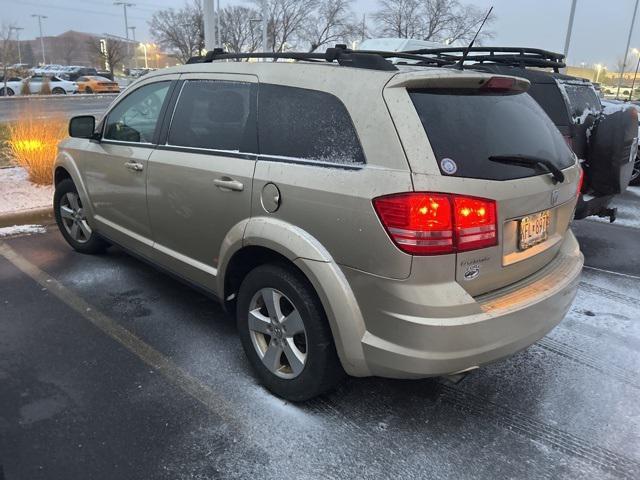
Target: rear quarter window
(550, 98)
(582, 99)
(297, 123)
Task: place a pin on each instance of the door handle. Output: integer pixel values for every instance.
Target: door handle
(135, 166)
(228, 184)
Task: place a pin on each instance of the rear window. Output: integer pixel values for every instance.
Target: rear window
(582, 99)
(306, 124)
(466, 129)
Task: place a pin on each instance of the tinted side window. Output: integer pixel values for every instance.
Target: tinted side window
(134, 119)
(215, 114)
(550, 99)
(583, 101)
(309, 124)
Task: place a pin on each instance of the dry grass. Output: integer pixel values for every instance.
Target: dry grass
(33, 143)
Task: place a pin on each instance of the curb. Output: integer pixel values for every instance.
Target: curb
(32, 216)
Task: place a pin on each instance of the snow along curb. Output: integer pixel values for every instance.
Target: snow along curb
(40, 216)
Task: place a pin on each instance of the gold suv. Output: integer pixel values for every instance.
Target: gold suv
(355, 216)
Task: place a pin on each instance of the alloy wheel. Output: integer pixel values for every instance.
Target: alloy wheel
(73, 218)
(277, 333)
(636, 169)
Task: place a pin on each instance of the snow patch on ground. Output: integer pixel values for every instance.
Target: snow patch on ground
(17, 193)
(21, 230)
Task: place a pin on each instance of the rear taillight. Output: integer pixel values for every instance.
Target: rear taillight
(436, 223)
(580, 181)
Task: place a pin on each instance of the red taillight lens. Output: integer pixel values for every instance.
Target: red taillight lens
(475, 221)
(580, 181)
(436, 223)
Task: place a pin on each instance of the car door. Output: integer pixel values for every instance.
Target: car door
(35, 84)
(200, 178)
(115, 168)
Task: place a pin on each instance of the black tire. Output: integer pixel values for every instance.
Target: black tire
(322, 369)
(9, 92)
(93, 244)
(88, 90)
(58, 91)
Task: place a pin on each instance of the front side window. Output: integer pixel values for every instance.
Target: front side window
(216, 115)
(135, 118)
(306, 124)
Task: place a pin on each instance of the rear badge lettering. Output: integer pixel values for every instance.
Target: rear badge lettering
(472, 272)
(448, 166)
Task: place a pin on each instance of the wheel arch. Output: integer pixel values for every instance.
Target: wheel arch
(261, 240)
(65, 168)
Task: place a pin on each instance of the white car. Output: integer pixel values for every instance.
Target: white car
(13, 86)
(58, 85)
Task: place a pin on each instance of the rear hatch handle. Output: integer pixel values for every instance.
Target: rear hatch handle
(531, 162)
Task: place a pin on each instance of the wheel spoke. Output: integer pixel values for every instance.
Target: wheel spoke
(295, 357)
(258, 322)
(271, 299)
(272, 356)
(73, 201)
(85, 228)
(292, 324)
(74, 231)
(66, 212)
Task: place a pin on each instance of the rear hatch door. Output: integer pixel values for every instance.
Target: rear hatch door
(451, 128)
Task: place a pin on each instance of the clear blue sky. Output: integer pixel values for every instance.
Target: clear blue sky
(600, 28)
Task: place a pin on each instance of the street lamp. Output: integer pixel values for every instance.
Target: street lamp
(40, 18)
(17, 29)
(633, 84)
(598, 70)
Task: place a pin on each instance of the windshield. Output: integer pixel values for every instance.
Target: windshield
(465, 129)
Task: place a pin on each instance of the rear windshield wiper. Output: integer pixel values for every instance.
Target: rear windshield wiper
(532, 162)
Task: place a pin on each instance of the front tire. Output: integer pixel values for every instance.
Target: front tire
(285, 333)
(88, 90)
(635, 176)
(9, 92)
(72, 221)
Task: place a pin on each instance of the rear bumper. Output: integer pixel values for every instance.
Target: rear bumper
(401, 343)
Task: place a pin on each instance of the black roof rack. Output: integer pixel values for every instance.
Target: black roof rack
(370, 59)
(515, 56)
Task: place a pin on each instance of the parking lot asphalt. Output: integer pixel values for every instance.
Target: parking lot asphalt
(65, 107)
(110, 369)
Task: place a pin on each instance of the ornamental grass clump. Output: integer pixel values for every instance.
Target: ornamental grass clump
(33, 144)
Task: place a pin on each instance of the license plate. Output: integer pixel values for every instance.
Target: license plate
(534, 229)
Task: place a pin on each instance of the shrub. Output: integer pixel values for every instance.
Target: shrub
(46, 86)
(33, 143)
(24, 88)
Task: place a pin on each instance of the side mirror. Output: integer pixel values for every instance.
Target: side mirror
(82, 126)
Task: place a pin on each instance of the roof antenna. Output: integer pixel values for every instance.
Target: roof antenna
(460, 64)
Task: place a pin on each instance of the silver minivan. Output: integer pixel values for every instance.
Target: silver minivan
(402, 222)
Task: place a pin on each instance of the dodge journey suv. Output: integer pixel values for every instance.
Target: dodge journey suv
(355, 216)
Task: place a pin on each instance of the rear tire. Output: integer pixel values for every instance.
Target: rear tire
(305, 336)
(88, 90)
(71, 220)
(58, 91)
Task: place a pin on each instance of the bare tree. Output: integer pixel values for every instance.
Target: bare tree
(399, 18)
(181, 31)
(240, 29)
(286, 21)
(65, 48)
(110, 52)
(7, 52)
(445, 21)
(331, 22)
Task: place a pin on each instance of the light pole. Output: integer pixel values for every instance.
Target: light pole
(626, 50)
(40, 18)
(146, 62)
(633, 84)
(135, 51)
(17, 29)
(265, 24)
(125, 5)
(567, 40)
(598, 70)
(218, 23)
